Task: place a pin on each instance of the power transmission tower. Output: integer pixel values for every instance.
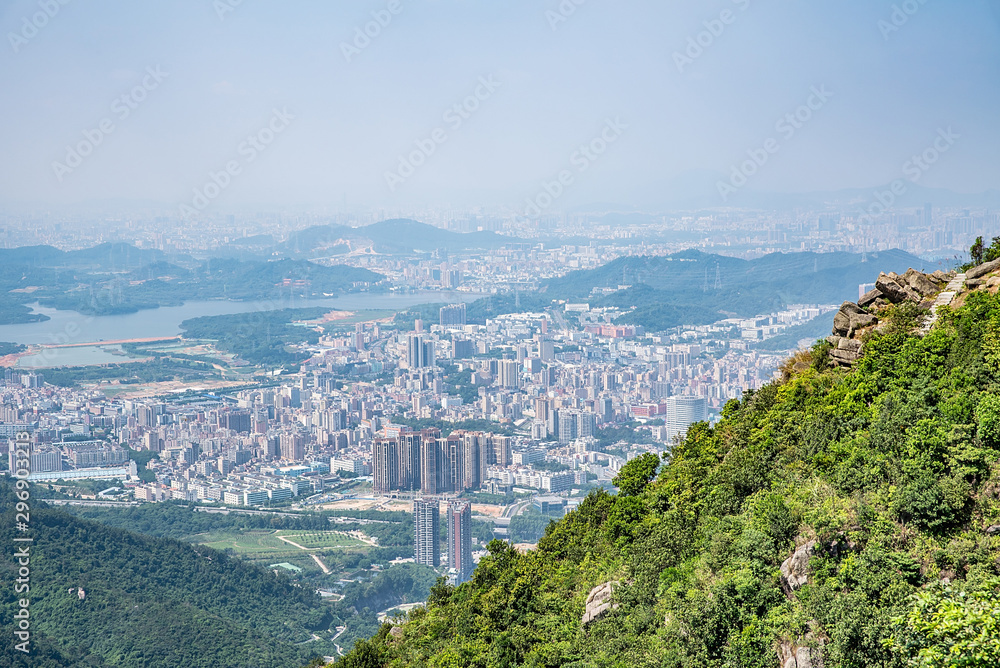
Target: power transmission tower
(718, 277)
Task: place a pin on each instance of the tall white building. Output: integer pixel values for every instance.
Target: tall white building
(682, 412)
(426, 540)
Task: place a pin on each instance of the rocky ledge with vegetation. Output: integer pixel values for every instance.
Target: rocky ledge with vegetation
(845, 515)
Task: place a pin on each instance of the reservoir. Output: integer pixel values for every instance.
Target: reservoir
(70, 327)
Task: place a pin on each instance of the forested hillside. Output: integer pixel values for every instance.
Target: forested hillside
(696, 288)
(840, 517)
(112, 279)
(149, 601)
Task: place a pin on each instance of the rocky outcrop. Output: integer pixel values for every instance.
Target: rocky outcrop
(850, 318)
(805, 653)
(853, 320)
(795, 569)
(942, 277)
(924, 285)
(599, 602)
(982, 270)
(894, 290)
(870, 298)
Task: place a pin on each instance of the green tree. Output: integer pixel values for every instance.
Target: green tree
(976, 252)
(952, 627)
(637, 474)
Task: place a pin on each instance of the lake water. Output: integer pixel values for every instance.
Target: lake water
(75, 356)
(72, 327)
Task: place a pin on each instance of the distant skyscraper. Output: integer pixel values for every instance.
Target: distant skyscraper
(928, 218)
(429, 466)
(462, 349)
(586, 424)
(682, 412)
(460, 540)
(606, 407)
(567, 424)
(419, 351)
(452, 315)
(426, 541)
(385, 465)
(451, 278)
(509, 372)
(292, 447)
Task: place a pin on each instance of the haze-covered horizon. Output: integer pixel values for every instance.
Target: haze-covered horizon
(250, 103)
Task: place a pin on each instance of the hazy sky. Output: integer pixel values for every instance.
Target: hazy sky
(554, 85)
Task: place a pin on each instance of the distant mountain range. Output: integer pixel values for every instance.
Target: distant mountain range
(105, 257)
(114, 279)
(399, 236)
(692, 287)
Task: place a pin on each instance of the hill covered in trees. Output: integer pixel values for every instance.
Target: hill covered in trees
(697, 288)
(399, 236)
(149, 601)
(112, 279)
(844, 517)
(694, 288)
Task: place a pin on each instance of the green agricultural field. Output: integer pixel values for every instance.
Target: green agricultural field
(317, 540)
(255, 545)
(265, 545)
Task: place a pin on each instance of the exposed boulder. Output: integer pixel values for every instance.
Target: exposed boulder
(850, 345)
(851, 317)
(862, 320)
(795, 569)
(896, 292)
(983, 269)
(870, 297)
(920, 283)
(599, 602)
(807, 653)
(993, 530)
(892, 290)
(842, 322)
(846, 351)
(843, 357)
(940, 277)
